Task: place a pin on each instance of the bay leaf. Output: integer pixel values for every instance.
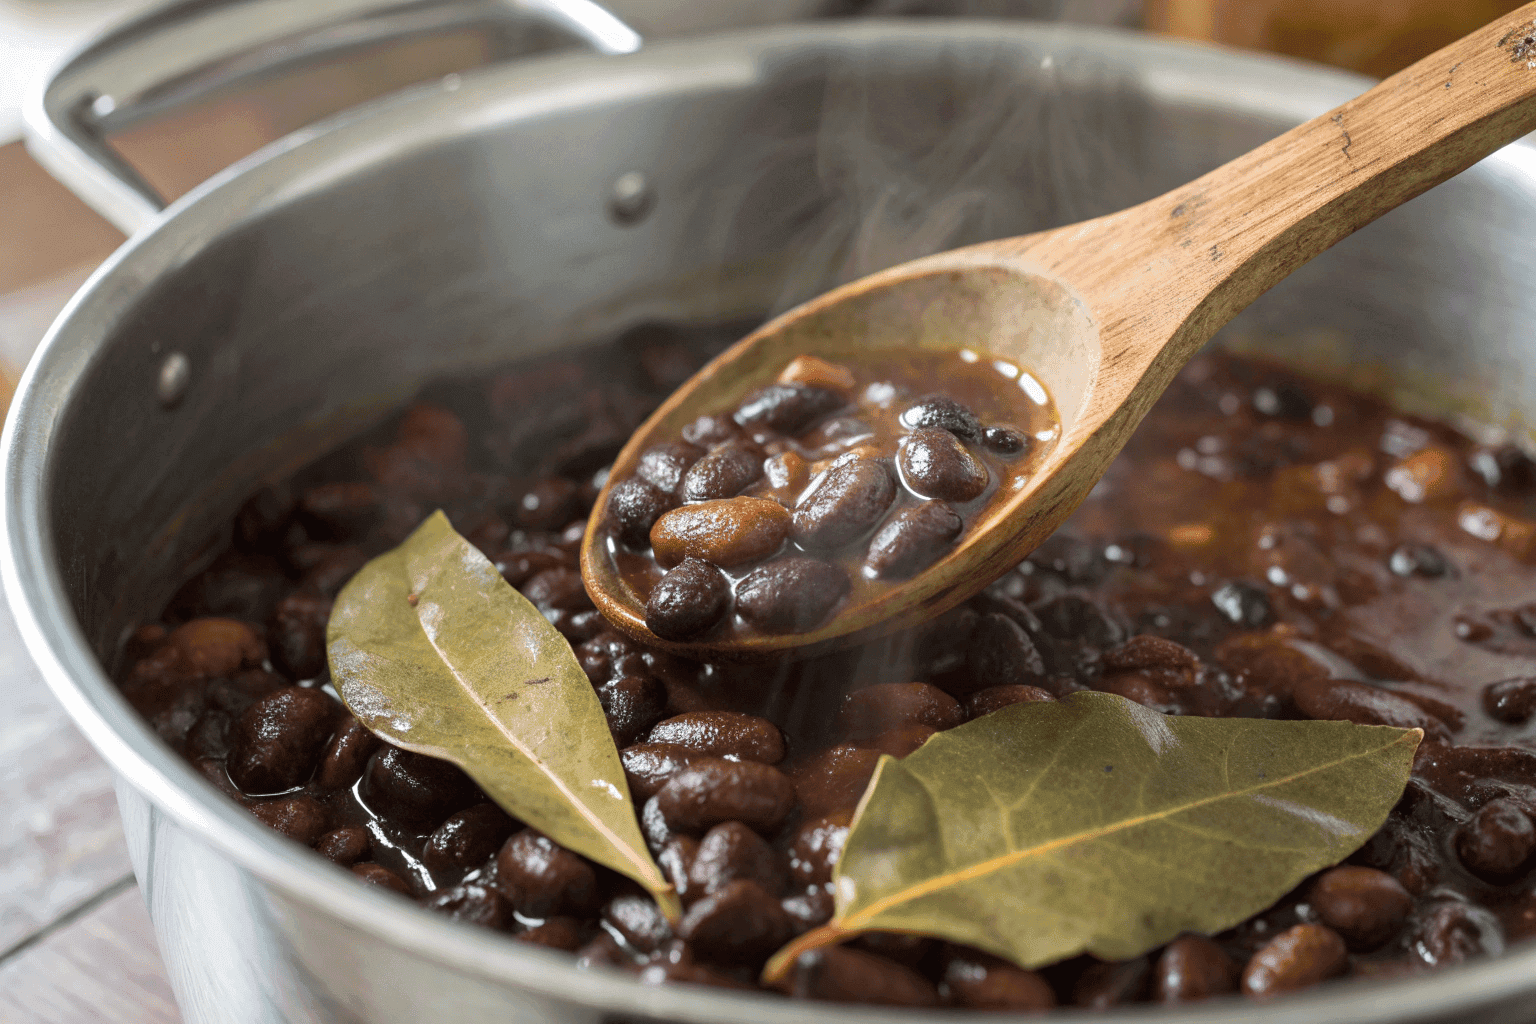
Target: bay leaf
(1095, 825)
(432, 650)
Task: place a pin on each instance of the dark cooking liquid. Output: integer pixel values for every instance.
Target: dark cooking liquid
(1265, 547)
(854, 489)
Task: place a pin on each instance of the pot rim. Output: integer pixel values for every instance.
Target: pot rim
(434, 114)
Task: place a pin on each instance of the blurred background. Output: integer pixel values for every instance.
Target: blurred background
(75, 943)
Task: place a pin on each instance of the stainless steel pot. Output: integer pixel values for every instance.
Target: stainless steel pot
(302, 293)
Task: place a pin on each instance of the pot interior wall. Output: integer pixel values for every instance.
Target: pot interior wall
(482, 232)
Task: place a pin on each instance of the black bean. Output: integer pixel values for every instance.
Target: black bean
(851, 496)
(1498, 843)
(555, 933)
(466, 840)
(297, 634)
(995, 698)
(790, 595)
(1284, 400)
(1004, 441)
(1192, 967)
(1297, 958)
(788, 408)
(943, 413)
(635, 506)
(379, 875)
(708, 431)
(1512, 701)
(264, 517)
(817, 845)
(663, 465)
(633, 704)
(834, 780)
(729, 734)
(724, 472)
(209, 735)
(1071, 617)
(1244, 605)
(1451, 931)
(711, 791)
(688, 601)
(648, 766)
(346, 755)
(730, 852)
(1103, 985)
(603, 951)
(843, 975)
(559, 587)
(417, 790)
(1417, 560)
(1365, 906)
(549, 504)
(913, 539)
(540, 878)
(935, 464)
(877, 709)
(1504, 468)
(1001, 653)
(977, 981)
(740, 923)
(810, 909)
(345, 846)
(471, 903)
(638, 919)
(675, 856)
(276, 743)
(301, 818)
(1339, 700)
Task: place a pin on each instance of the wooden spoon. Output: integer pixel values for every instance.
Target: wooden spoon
(1107, 311)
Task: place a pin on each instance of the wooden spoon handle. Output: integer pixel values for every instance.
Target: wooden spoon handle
(1208, 249)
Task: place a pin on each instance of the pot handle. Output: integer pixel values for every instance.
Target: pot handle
(187, 50)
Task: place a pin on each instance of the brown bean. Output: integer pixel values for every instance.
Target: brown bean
(638, 919)
(818, 373)
(849, 499)
(1512, 701)
(466, 840)
(379, 875)
(723, 734)
(1005, 441)
(603, 951)
(418, 791)
(688, 601)
(788, 408)
(878, 709)
(345, 846)
(978, 981)
(725, 472)
(346, 755)
(995, 698)
(664, 465)
(913, 539)
(790, 595)
(935, 464)
(1337, 700)
(675, 856)
(817, 845)
(708, 431)
(632, 705)
(1452, 932)
(834, 780)
(1297, 958)
(555, 933)
(471, 903)
(297, 634)
(276, 743)
(900, 742)
(648, 766)
(301, 818)
(1365, 906)
(729, 852)
(712, 790)
(1192, 967)
(727, 532)
(634, 506)
(740, 923)
(558, 587)
(1001, 653)
(541, 878)
(215, 647)
(1146, 651)
(810, 909)
(843, 975)
(1498, 843)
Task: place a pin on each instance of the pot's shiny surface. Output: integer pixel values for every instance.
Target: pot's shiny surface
(311, 288)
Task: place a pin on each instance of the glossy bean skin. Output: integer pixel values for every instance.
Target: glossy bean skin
(739, 923)
(1298, 958)
(943, 413)
(379, 875)
(540, 878)
(934, 464)
(730, 852)
(637, 918)
(345, 846)
(467, 839)
(841, 975)
(346, 755)
(277, 741)
(712, 790)
(851, 496)
(725, 532)
(817, 845)
(1365, 906)
(834, 780)
(978, 981)
(632, 704)
(664, 465)
(995, 698)
(301, 818)
(913, 539)
(723, 734)
(791, 595)
(1190, 968)
(691, 599)
(1512, 701)
(788, 408)
(875, 710)
(724, 472)
(818, 373)
(1498, 844)
(421, 791)
(648, 766)
(634, 506)
(1002, 653)
(472, 903)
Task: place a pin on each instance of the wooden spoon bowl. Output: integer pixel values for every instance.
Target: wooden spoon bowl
(1107, 311)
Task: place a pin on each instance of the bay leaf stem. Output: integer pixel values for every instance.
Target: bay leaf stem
(776, 971)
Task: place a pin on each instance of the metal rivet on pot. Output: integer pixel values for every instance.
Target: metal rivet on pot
(175, 375)
(630, 197)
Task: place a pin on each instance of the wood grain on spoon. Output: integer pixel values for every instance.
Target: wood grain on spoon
(1107, 311)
